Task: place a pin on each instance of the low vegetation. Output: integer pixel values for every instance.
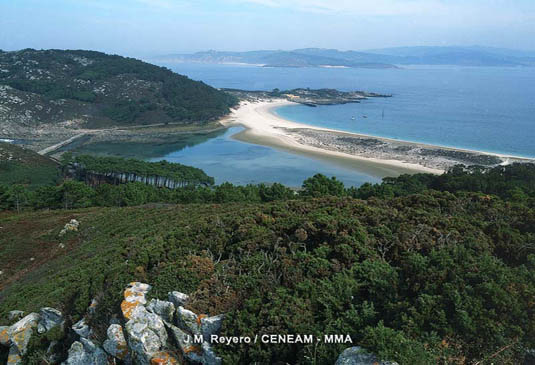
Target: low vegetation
(420, 269)
(22, 166)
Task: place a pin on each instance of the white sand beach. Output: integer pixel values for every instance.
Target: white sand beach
(266, 128)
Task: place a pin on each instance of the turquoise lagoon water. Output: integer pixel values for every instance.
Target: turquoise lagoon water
(243, 163)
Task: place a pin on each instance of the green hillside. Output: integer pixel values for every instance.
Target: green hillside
(420, 269)
(21, 166)
(93, 89)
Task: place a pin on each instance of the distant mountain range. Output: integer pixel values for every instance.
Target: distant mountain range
(377, 58)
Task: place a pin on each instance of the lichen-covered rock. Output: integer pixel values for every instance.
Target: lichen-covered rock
(142, 341)
(72, 226)
(182, 338)
(134, 295)
(146, 334)
(14, 357)
(177, 298)
(188, 321)
(164, 309)
(211, 326)
(49, 318)
(358, 356)
(115, 344)
(209, 356)
(85, 352)
(163, 358)
(81, 328)
(20, 332)
(4, 335)
(15, 315)
(185, 343)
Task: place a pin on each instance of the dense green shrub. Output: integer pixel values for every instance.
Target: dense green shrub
(419, 279)
(424, 271)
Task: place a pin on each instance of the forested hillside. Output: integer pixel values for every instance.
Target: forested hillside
(420, 269)
(78, 88)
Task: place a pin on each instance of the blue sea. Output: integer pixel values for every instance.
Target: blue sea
(482, 108)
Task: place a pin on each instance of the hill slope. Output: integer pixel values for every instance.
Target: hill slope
(428, 278)
(93, 90)
(22, 166)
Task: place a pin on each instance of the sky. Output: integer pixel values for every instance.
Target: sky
(158, 27)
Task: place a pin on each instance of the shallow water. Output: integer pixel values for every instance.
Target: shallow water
(242, 163)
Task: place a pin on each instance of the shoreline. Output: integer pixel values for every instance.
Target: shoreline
(377, 156)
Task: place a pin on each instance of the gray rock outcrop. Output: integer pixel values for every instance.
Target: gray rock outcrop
(81, 328)
(20, 333)
(85, 352)
(115, 344)
(185, 342)
(142, 340)
(209, 356)
(48, 319)
(177, 298)
(72, 226)
(15, 315)
(188, 321)
(358, 356)
(134, 296)
(211, 326)
(164, 309)
(4, 335)
(146, 334)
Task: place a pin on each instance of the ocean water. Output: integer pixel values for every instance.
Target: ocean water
(483, 108)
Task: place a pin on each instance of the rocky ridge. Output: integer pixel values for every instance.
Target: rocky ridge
(157, 332)
(154, 332)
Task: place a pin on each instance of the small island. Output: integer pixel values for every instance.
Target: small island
(306, 96)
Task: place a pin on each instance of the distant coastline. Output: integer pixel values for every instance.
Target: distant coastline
(377, 155)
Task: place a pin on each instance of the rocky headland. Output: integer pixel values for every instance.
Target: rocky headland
(306, 96)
